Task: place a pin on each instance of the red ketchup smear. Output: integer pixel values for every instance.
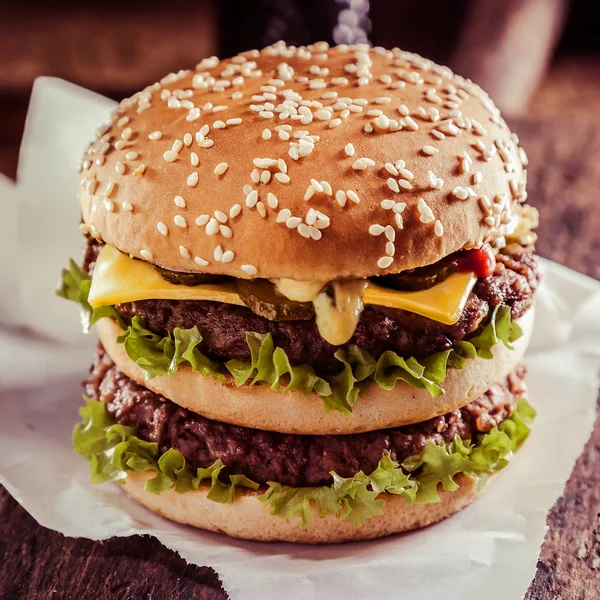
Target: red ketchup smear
(481, 261)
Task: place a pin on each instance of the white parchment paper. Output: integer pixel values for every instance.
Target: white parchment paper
(492, 545)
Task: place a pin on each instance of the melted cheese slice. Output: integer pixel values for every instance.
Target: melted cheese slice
(119, 278)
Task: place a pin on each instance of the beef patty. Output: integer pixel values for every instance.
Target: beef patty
(224, 326)
(295, 460)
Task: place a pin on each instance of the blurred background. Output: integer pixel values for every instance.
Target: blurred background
(537, 57)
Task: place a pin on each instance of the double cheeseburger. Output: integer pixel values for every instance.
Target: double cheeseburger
(312, 272)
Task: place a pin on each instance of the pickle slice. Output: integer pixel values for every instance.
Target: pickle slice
(260, 296)
(421, 278)
(190, 278)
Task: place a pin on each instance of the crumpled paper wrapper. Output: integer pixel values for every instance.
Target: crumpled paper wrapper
(493, 545)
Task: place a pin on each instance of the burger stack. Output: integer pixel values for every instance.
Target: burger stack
(312, 271)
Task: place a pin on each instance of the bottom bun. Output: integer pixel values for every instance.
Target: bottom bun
(248, 518)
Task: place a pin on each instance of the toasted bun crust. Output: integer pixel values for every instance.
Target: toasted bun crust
(262, 408)
(248, 518)
(128, 184)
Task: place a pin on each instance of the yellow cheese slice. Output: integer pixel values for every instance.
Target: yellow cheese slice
(443, 302)
(119, 278)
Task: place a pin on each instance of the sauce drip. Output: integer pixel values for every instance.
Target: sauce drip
(338, 317)
(480, 261)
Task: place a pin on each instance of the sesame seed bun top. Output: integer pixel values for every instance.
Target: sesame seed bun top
(308, 163)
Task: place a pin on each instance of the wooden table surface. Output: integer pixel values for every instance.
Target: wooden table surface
(39, 564)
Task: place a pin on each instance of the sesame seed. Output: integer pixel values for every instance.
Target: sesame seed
(281, 165)
(235, 210)
(425, 212)
(110, 188)
(91, 186)
(393, 185)
(411, 123)
(283, 215)
(187, 140)
(390, 249)
(477, 177)
(399, 207)
(179, 201)
(194, 159)
(147, 254)
(218, 253)
(430, 150)
(489, 221)
(234, 121)
(383, 100)
(304, 230)
(126, 133)
(249, 269)
(390, 234)
(202, 220)
(255, 176)
(180, 221)
(438, 228)
(192, 179)
(384, 262)
(349, 149)
(109, 205)
(399, 221)
(293, 222)
(221, 168)
(139, 170)
(376, 229)
(309, 193)
(122, 121)
(170, 156)
(404, 184)
(387, 204)
(353, 196)
(406, 173)
(200, 261)
(403, 110)
(390, 168)
(340, 197)
(266, 114)
(225, 231)
(228, 256)
(334, 123)
(282, 177)
(162, 228)
(266, 134)
(127, 205)
(252, 199)
(460, 193)
(368, 128)
(212, 227)
(272, 200)
(119, 145)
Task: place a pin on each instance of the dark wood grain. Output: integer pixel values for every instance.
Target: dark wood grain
(38, 564)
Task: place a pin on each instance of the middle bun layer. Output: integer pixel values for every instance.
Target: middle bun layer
(260, 407)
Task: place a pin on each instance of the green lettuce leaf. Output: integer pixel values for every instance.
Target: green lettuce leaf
(113, 450)
(75, 285)
(162, 355)
(269, 364)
